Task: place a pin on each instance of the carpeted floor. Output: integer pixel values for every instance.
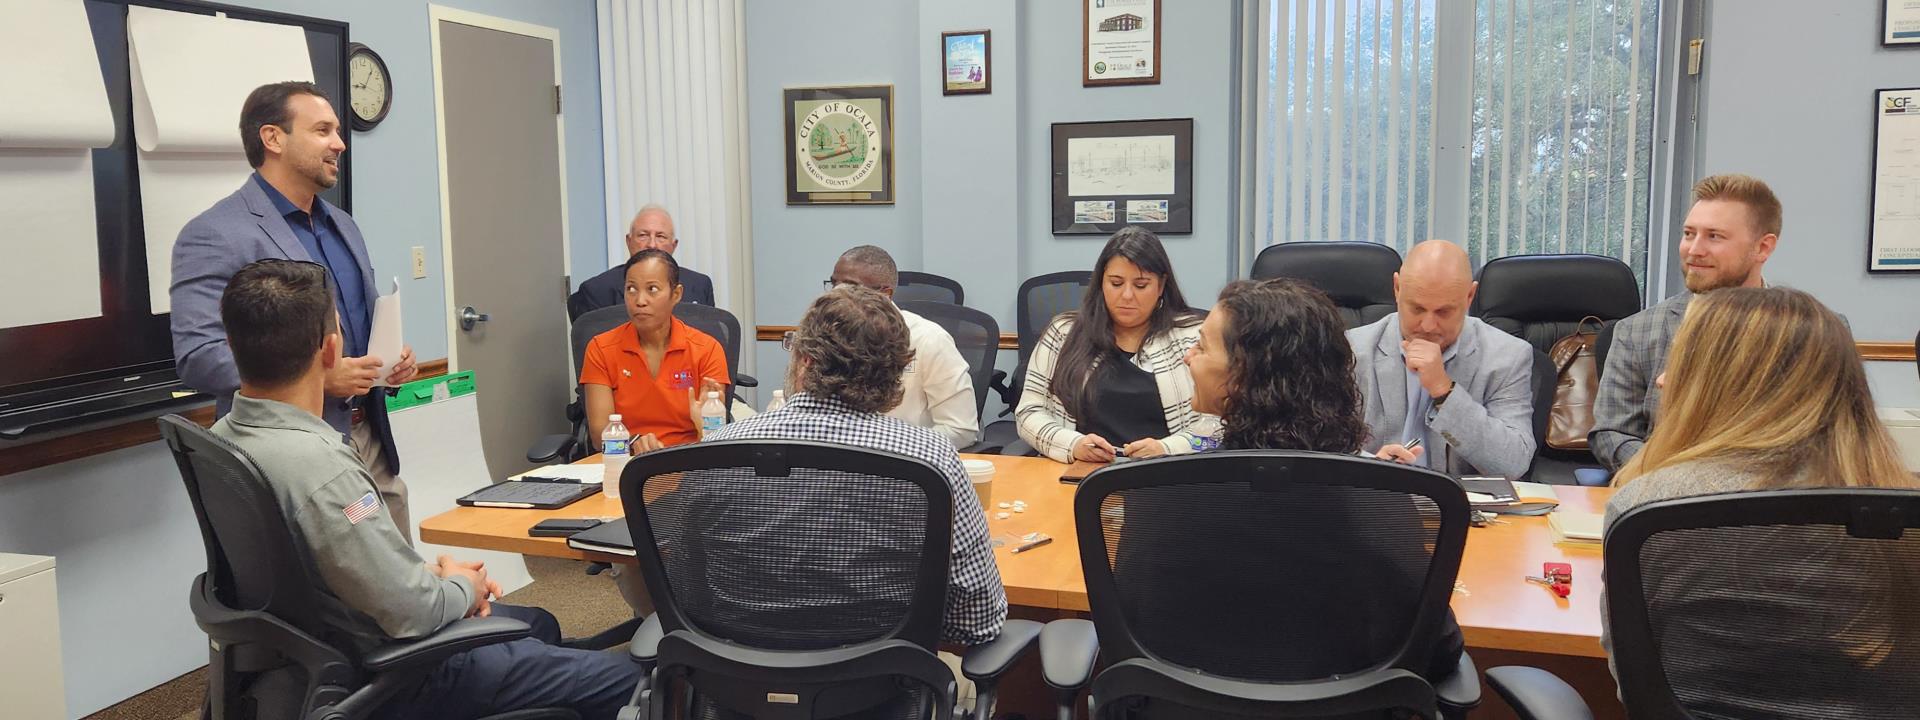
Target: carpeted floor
(584, 604)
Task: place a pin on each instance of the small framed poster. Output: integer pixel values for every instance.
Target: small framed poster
(1900, 23)
(1108, 175)
(1120, 42)
(966, 62)
(1893, 229)
(839, 145)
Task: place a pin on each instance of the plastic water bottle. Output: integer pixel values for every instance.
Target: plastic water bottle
(779, 400)
(616, 450)
(712, 414)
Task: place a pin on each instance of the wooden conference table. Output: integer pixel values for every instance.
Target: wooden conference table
(1498, 610)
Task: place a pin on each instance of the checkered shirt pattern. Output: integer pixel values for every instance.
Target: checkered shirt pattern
(976, 600)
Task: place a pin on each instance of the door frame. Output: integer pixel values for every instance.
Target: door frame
(435, 15)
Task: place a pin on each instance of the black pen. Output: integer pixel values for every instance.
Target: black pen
(1029, 546)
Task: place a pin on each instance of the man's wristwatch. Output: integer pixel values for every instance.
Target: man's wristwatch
(1442, 399)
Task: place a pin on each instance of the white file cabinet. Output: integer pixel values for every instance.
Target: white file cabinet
(30, 681)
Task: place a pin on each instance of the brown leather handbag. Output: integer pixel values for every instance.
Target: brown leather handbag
(1579, 381)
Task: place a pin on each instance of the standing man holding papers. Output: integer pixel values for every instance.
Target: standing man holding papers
(294, 140)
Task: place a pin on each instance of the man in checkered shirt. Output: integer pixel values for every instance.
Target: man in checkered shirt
(848, 354)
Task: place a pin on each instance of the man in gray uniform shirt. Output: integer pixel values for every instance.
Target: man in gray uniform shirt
(374, 589)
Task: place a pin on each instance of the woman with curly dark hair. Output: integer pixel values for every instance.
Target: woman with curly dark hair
(1273, 362)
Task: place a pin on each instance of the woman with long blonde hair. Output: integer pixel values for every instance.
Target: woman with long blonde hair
(1764, 389)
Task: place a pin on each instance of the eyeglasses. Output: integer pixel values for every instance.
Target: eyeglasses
(830, 283)
(786, 341)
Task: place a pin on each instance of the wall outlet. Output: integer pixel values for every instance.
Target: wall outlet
(419, 262)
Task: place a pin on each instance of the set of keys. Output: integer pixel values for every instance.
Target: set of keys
(1557, 577)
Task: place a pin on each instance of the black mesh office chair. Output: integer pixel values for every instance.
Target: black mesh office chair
(270, 654)
(1542, 298)
(928, 287)
(574, 444)
(800, 580)
(1265, 583)
(724, 327)
(977, 337)
(1358, 276)
(1772, 604)
(1041, 298)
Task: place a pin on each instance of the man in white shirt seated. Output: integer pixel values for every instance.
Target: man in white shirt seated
(939, 392)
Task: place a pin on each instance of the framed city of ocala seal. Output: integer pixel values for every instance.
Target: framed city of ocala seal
(840, 145)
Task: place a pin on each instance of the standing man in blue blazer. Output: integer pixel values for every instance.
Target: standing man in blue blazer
(293, 139)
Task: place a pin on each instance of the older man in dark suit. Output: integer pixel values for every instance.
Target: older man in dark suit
(293, 139)
(652, 228)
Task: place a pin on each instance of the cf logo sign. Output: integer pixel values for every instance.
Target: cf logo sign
(1899, 103)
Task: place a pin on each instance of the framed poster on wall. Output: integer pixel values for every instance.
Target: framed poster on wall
(839, 145)
(1108, 175)
(1893, 229)
(1900, 23)
(966, 62)
(1120, 42)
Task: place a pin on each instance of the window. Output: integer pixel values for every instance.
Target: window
(1556, 118)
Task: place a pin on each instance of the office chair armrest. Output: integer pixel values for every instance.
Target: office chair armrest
(988, 660)
(1019, 448)
(1461, 690)
(1536, 694)
(550, 449)
(983, 448)
(745, 380)
(457, 637)
(1591, 477)
(1068, 649)
(645, 647)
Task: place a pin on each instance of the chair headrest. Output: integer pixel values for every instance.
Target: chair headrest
(1353, 274)
(1532, 288)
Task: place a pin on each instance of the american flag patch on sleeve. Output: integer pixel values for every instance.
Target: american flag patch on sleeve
(363, 508)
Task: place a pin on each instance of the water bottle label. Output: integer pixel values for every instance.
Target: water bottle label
(617, 446)
(711, 424)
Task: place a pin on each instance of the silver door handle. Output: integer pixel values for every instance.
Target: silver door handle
(470, 316)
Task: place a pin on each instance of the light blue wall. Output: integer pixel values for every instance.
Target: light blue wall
(119, 523)
(1789, 99)
(974, 197)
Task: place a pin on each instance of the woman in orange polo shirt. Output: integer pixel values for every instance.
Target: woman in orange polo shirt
(654, 371)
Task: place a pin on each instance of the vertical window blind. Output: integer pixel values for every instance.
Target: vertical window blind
(1559, 113)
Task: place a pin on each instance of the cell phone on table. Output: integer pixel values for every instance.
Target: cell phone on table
(562, 527)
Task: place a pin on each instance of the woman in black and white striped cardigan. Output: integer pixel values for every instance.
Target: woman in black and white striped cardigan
(1108, 379)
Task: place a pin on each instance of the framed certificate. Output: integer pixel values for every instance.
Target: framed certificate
(839, 145)
(1900, 23)
(1893, 234)
(966, 62)
(1120, 42)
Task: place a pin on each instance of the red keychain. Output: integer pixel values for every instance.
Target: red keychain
(1558, 577)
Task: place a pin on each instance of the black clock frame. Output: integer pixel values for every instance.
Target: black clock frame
(360, 124)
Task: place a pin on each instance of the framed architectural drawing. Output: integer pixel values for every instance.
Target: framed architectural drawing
(839, 145)
(1108, 175)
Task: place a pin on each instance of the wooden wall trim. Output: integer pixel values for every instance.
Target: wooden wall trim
(1895, 351)
(772, 333)
(22, 457)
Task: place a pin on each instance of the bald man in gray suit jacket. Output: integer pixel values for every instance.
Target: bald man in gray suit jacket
(1429, 372)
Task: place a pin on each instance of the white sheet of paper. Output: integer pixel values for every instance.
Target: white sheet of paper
(384, 341)
(190, 74)
(57, 98)
(52, 271)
